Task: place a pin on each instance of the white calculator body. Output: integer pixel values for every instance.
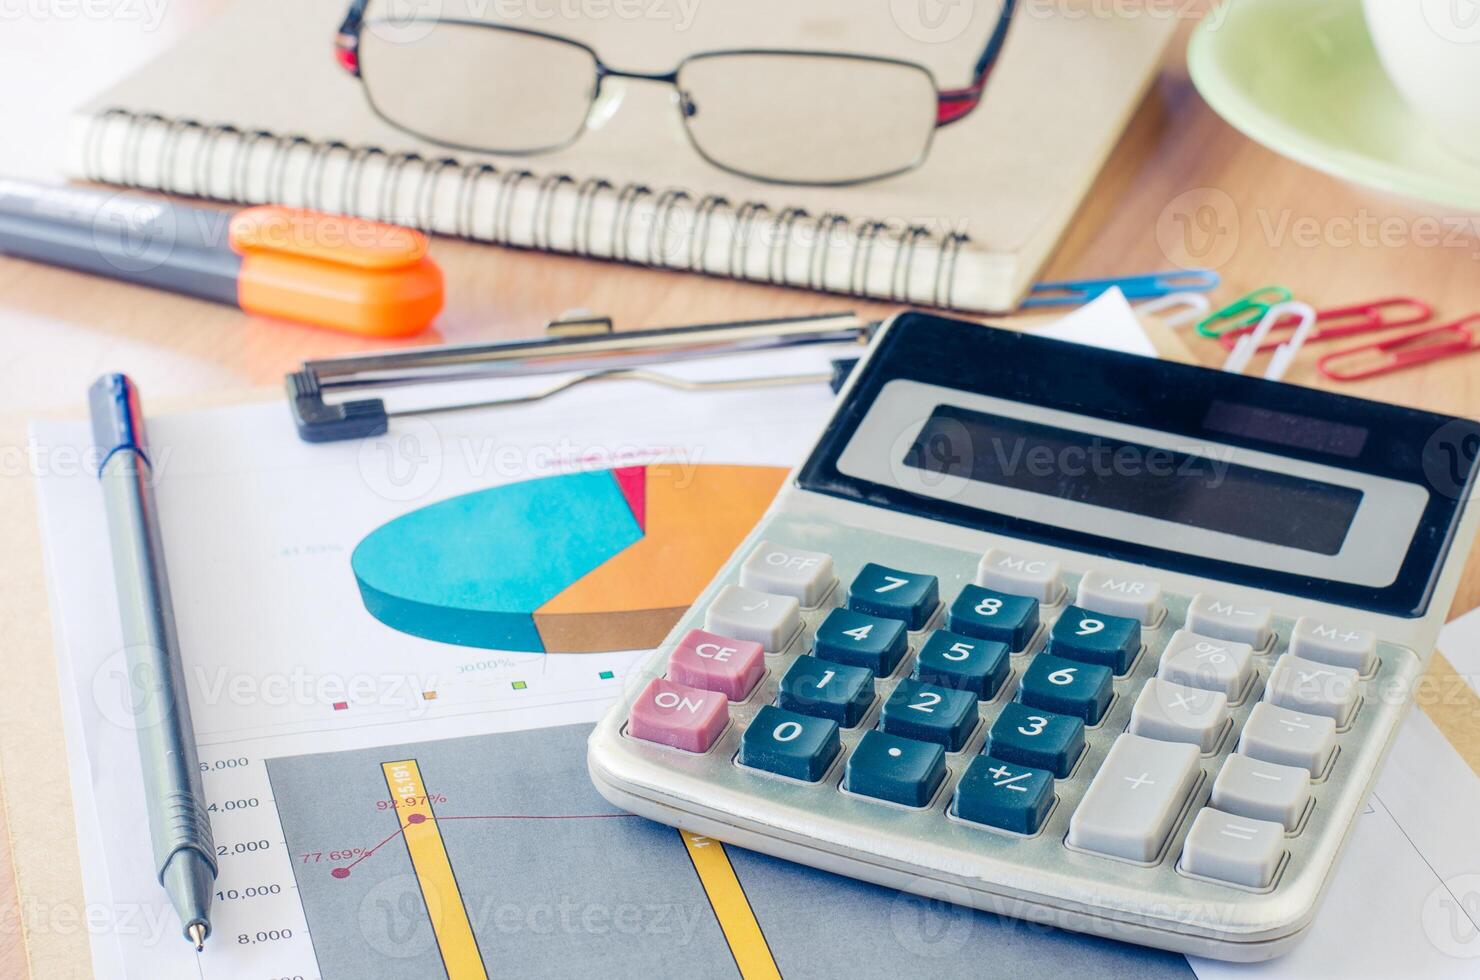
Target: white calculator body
(1080, 637)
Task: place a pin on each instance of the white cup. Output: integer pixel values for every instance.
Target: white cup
(1431, 50)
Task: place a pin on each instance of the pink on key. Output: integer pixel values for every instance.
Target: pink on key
(717, 663)
(683, 717)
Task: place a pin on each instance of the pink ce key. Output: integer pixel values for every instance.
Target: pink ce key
(717, 663)
(683, 717)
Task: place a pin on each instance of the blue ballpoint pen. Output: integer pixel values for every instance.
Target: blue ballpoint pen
(180, 830)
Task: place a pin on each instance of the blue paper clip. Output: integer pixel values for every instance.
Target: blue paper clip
(1153, 285)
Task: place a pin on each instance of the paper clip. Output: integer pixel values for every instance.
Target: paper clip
(1347, 321)
(1192, 306)
(1408, 350)
(1251, 308)
(1249, 344)
(1071, 292)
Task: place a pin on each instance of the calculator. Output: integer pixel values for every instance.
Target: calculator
(1082, 637)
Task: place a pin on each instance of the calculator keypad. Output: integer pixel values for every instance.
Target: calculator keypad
(1195, 774)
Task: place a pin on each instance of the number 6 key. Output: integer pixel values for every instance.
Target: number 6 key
(1068, 687)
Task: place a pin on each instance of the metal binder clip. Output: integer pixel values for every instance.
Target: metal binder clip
(1246, 311)
(1404, 351)
(1072, 292)
(577, 344)
(1243, 351)
(1190, 306)
(1347, 321)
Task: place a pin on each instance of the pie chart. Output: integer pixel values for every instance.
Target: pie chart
(576, 563)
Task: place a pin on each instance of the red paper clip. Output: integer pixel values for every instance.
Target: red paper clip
(1409, 350)
(1343, 321)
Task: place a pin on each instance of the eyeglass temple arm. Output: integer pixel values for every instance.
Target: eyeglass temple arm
(954, 103)
(347, 41)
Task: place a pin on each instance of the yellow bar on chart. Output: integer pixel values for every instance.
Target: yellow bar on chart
(736, 918)
(444, 902)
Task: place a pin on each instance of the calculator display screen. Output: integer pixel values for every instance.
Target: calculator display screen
(1201, 491)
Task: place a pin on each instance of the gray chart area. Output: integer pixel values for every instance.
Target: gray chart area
(555, 882)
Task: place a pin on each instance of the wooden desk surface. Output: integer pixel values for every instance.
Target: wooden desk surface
(1183, 187)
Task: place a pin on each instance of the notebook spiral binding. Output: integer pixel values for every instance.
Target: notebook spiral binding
(554, 212)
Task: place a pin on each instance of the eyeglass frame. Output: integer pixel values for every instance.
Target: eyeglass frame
(951, 105)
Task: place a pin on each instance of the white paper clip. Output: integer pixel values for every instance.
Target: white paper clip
(1193, 307)
(1284, 355)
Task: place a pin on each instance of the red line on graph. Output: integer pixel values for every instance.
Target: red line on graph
(482, 816)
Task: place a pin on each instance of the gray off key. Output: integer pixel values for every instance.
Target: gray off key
(1131, 806)
(806, 576)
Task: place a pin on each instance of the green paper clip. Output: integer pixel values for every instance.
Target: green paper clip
(1251, 308)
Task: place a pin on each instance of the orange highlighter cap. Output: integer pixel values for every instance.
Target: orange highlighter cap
(343, 273)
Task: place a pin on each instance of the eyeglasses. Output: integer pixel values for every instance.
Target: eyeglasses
(791, 117)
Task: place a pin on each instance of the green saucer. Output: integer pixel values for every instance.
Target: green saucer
(1302, 77)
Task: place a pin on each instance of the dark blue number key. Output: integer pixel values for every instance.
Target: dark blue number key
(881, 591)
(900, 770)
(790, 744)
(930, 714)
(1096, 638)
(951, 660)
(1037, 738)
(827, 690)
(989, 615)
(1067, 686)
(1004, 794)
(849, 637)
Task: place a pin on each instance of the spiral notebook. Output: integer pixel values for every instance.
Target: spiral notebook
(253, 109)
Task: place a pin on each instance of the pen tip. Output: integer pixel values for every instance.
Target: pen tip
(197, 934)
